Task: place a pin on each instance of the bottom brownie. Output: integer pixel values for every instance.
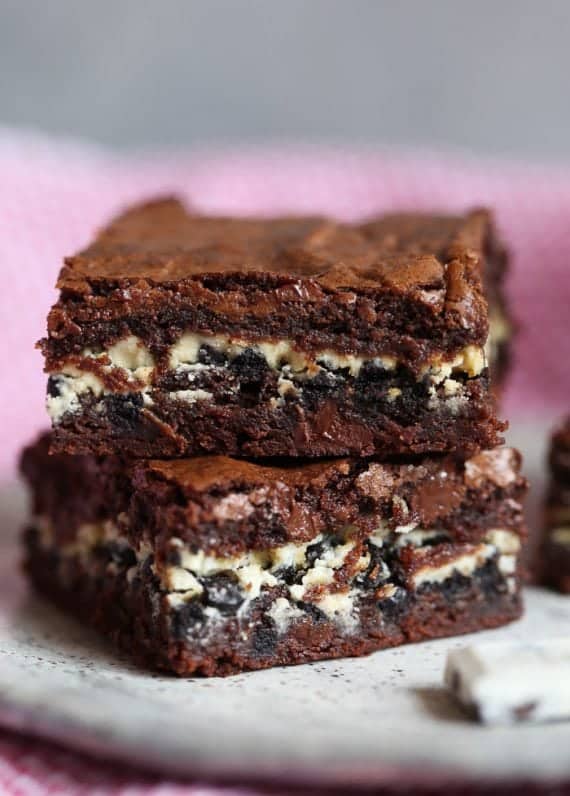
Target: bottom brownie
(214, 566)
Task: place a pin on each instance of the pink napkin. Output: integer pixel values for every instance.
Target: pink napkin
(54, 194)
(32, 768)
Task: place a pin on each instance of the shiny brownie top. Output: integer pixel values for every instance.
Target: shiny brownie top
(428, 257)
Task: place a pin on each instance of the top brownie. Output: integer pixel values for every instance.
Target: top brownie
(178, 334)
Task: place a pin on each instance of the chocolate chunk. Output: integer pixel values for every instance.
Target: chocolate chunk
(54, 386)
(250, 366)
(393, 607)
(264, 640)
(116, 553)
(223, 592)
(313, 611)
(289, 575)
(123, 411)
(377, 572)
(211, 356)
(187, 619)
(313, 552)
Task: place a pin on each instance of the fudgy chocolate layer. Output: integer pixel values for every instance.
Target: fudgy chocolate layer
(362, 417)
(228, 506)
(405, 288)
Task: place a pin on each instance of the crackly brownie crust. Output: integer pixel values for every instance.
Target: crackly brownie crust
(277, 278)
(339, 338)
(554, 554)
(230, 565)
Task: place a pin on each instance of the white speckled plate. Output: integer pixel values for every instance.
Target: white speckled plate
(369, 720)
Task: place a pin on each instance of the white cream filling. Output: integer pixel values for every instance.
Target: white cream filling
(464, 565)
(417, 538)
(136, 364)
(471, 361)
(129, 355)
(323, 570)
(506, 543)
(277, 355)
(180, 580)
(71, 384)
(191, 396)
(88, 535)
(341, 608)
(256, 570)
(283, 613)
(454, 399)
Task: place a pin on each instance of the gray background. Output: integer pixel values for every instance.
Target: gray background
(489, 76)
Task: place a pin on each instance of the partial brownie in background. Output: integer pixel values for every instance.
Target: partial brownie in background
(178, 335)
(554, 557)
(214, 566)
(502, 327)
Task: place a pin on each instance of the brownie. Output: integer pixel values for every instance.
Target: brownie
(179, 335)
(213, 565)
(554, 553)
(502, 327)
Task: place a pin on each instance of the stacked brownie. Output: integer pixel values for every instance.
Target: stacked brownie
(554, 558)
(179, 341)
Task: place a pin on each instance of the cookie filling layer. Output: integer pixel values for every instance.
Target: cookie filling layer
(201, 368)
(331, 574)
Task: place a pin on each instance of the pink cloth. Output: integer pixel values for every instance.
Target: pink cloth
(55, 193)
(32, 768)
